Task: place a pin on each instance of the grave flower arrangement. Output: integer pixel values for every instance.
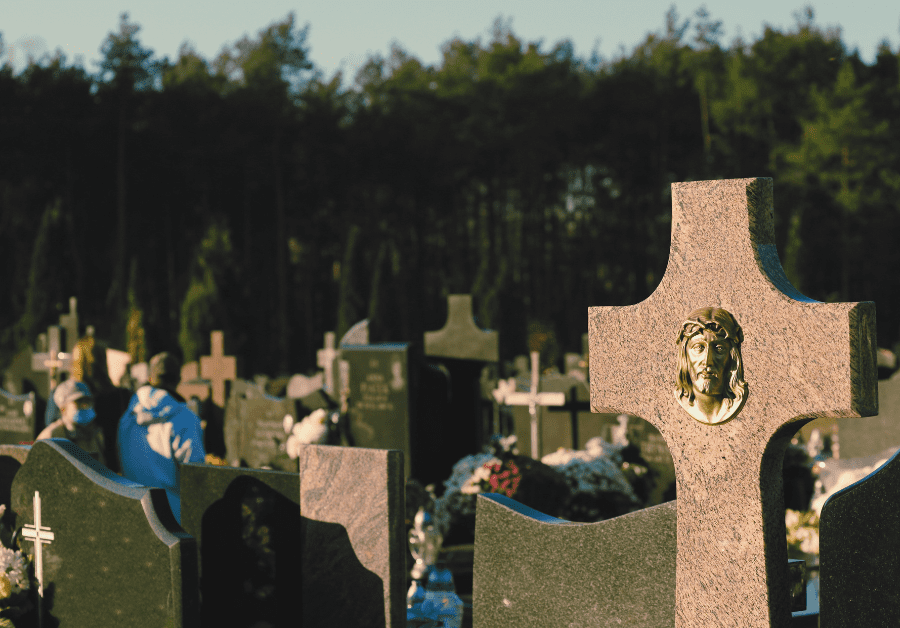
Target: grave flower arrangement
(503, 471)
(587, 485)
(15, 575)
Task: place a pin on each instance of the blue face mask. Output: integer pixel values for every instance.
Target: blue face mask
(85, 416)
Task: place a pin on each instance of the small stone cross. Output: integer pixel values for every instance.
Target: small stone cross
(40, 536)
(534, 400)
(325, 360)
(218, 368)
(54, 358)
(69, 322)
(788, 360)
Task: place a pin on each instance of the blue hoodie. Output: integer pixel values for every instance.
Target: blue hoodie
(157, 433)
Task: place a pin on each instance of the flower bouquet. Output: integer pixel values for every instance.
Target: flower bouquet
(15, 576)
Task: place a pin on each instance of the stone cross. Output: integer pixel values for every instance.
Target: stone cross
(40, 536)
(218, 368)
(69, 322)
(460, 337)
(54, 358)
(534, 400)
(325, 360)
(801, 360)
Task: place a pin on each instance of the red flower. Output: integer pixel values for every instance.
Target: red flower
(505, 478)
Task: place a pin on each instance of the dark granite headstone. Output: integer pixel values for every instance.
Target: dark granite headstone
(12, 457)
(380, 397)
(17, 418)
(117, 558)
(327, 543)
(247, 526)
(859, 552)
(535, 570)
(254, 425)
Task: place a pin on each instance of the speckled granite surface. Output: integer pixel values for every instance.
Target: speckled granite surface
(533, 570)
(802, 359)
(859, 552)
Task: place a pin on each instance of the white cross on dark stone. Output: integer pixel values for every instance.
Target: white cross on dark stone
(801, 359)
(40, 536)
(534, 400)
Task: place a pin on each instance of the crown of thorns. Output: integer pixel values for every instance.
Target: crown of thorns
(691, 328)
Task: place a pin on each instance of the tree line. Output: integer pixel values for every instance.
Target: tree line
(249, 193)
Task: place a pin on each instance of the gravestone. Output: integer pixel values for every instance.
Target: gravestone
(218, 368)
(326, 359)
(254, 426)
(859, 552)
(356, 335)
(51, 359)
(17, 418)
(381, 397)
(69, 323)
(247, 526)
(800, 359)
(352, 503)
(531, 440)
(462, 350)
(115, 556)
(536, 570)
(191, 385)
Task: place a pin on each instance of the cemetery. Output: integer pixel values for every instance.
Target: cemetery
(497, 341)
(408, 484)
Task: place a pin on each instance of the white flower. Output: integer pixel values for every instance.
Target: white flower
(312, 430)
(12, 564)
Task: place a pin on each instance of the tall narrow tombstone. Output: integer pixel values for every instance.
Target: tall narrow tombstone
(728, 430)
(117, 557)
(51, 360)
(462, 349)
(352, 503)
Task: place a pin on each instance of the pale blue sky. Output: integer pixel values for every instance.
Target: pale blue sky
(343, 33)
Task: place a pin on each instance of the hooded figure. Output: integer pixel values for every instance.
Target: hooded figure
(76, 422)
(158, 432)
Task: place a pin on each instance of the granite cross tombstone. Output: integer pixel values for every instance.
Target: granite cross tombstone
(534, 400)
(753, 359)
(218, 368)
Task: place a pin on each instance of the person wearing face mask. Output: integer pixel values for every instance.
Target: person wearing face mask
(76, 404)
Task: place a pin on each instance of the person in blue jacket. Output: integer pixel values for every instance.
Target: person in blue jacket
(158, 432)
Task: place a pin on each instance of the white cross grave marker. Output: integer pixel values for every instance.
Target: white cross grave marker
(54, 358)
(534, 400)
(325, 360)
(40, 536)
